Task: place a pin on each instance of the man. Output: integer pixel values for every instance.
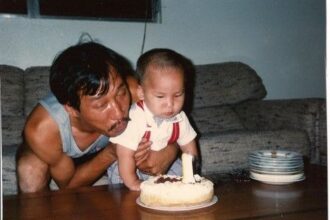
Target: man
(65, 138)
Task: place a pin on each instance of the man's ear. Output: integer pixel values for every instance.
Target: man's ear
(140, 92)
(71, 111)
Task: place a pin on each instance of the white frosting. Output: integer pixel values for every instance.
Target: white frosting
(175, 193)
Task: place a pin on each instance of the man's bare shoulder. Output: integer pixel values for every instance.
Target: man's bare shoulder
(41, 131)
(40, 121)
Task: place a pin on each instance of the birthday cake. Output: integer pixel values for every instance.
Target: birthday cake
(170, 190)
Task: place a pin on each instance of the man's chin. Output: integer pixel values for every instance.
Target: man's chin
(115, 133)
(117, 130)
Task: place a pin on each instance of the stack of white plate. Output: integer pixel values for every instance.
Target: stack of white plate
(276, 166)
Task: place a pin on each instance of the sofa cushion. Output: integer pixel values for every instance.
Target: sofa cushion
(12, 83)
(36, 86)
(322, 141)
(227, 152)
(9, 183)
(215, 119)
(226, 83)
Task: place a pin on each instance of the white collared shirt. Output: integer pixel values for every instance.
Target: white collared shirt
(143, 120)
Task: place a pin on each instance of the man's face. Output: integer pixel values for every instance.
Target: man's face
(106, 114)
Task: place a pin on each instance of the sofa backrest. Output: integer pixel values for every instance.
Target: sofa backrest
(216, 88)
(217, 84)
(12, 102)
(226, 83)
(214, 84)
(12, 90)
(36, 86)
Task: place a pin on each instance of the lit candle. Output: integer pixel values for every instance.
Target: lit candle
(187, 168)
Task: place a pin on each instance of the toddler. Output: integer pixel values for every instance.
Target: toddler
(158, 115)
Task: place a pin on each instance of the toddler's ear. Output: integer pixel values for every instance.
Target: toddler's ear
(140, 93)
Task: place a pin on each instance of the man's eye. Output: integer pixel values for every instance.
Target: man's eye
(100, 106)
(159, 96)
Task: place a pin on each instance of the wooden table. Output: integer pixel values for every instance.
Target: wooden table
(247, 199)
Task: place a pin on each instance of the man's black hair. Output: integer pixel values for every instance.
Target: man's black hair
(84, 69)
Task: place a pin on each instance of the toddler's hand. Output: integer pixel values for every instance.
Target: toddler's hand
(135, 187)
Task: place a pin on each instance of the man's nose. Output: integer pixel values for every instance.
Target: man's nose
(116, 111)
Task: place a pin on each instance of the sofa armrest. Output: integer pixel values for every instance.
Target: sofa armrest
(305, 114)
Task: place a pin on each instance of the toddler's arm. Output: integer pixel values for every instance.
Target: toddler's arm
(190, 148)
(127, 169)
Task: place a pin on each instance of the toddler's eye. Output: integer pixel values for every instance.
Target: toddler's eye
(179, 94)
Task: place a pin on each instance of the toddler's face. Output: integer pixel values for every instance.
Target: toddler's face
(163, 91)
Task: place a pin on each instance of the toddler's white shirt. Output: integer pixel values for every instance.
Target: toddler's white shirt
(142, 120)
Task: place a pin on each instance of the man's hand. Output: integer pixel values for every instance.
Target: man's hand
(143, 151)
(155, 162)
(88, 172)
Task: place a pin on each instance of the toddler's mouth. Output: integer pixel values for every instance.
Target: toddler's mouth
(168, 114)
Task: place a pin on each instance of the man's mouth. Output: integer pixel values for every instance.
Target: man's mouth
(119, 124)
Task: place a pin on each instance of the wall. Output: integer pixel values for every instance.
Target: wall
(283, 40)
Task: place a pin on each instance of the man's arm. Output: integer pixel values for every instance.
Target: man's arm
(155, 162)
(41, 155)
(89, 172)
(47, 148)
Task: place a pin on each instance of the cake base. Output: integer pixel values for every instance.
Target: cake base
(170, 191)
(178, 208)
